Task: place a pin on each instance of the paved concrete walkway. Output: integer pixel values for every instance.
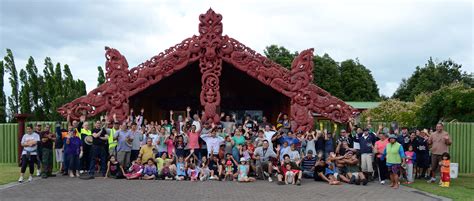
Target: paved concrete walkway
(65, 188)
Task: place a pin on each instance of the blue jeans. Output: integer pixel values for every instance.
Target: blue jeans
(236, 153)
(98, 151)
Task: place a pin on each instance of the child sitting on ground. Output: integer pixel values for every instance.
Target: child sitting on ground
(114, 169)
(180, 169)
(149, 173)
(193, 172)
(243, 169)
(229, 169)
(205, 172)
(135, 171)
(289, 175)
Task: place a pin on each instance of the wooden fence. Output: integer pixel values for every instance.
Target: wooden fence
(462, 134)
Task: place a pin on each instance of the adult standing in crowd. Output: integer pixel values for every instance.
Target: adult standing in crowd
(29, 153)
(422, 153)
(99, 149)
(124, 146)
(440, 142)
(47, 141)
(379, 149)
(136, 137)
(86, 137)
(366, 141)
(394, 155)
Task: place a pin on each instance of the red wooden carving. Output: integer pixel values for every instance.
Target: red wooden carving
(210, 39)
(211, 48)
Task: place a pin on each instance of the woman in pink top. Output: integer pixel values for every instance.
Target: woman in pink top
(193, 138)
(170, 142)
(381, 164)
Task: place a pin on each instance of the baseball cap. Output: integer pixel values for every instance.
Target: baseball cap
(392, 136)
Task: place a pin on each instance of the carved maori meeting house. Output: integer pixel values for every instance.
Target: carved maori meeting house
(213, 73)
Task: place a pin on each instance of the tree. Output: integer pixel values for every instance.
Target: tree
(13, 100)
(357, 82)
(280, 55)
(34, 88)
(432, 77)
(404, 113)
(101, 78)
(452, 102)
(326, 75)
(3, 101)
(350, 81)
(25, 102)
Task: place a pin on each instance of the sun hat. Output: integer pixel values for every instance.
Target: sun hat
(88, 140)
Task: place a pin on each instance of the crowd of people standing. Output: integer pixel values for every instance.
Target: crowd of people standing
(186, 148)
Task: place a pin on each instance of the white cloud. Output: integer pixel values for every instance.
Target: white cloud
(391, 38)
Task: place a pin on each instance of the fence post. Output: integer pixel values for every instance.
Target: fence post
(21, 118)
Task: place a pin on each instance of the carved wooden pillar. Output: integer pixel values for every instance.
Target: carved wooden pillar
(21, 118)
(210, 64)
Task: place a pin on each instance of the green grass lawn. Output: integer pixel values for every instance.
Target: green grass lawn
(10, 173)
(461, 188)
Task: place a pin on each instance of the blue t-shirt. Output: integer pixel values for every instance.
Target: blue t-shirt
(180, 171)
(290, 140)
(328, 145)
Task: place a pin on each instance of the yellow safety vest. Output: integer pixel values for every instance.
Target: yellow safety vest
(112, 142)
(85, 132)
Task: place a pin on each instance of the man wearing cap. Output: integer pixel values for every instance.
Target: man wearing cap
(394, 155)
(309, 161)
(440, 142)
(366, 141)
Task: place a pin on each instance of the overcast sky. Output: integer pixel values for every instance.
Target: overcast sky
(390, 38)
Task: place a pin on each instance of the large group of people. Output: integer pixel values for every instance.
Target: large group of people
(186, 148)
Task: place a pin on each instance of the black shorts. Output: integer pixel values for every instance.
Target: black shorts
(423, 161)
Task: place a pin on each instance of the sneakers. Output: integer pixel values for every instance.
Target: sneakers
(38, 173)
(20, 179)
(298, 182)
(270, 179)
(382, 182)
(30, 178)
(432, 180)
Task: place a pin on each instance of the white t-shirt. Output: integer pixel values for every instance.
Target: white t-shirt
(294, 155)
(30, 137)
(198, 125)
(268, 136)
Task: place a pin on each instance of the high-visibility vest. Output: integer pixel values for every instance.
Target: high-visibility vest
(85, 132)
(112, 142)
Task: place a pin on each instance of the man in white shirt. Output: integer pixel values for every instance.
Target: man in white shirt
(269, 134)
(213, 141)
